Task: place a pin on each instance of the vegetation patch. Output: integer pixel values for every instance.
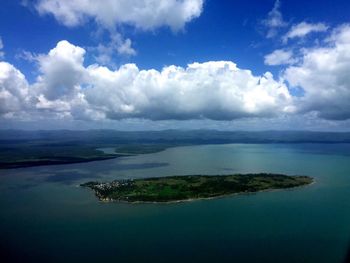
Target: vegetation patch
(189, 187)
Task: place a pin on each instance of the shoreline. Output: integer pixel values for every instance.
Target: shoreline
(19, 165)
(201, 198)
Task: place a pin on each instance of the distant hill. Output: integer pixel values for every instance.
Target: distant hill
(171, 136)
(34, 148)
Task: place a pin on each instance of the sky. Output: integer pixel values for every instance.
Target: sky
(175, 64)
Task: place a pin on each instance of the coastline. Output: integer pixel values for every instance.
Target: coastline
(106, 201)
(27, 164)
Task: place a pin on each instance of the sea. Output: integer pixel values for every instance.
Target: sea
(45, 216)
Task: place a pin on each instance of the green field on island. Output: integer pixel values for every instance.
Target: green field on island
(179, 188)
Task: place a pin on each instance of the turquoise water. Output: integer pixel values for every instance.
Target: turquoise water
(46, 217)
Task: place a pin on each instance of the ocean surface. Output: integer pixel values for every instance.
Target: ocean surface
(46, 217)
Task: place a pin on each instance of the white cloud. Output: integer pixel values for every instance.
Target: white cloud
(2, 53)
(216, 90)
(117, 45)
(274, 20)
(111, 15)
(324, 74)
(302, 29)
(125, 48)
(13, 89)
(62, 71)
(280, 57)
(27, 56)
(142, 14)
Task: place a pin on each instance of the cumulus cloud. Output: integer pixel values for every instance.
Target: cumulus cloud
(324, 74)
(280, 57)
(61, 71)
(13, 89)
(217, 90)
(142, 14)
(274, 20)
(302, 29)
(214, 90)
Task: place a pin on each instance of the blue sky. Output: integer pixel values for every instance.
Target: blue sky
(243, 33)
(226, 30)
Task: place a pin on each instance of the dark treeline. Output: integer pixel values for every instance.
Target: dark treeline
(170, 136)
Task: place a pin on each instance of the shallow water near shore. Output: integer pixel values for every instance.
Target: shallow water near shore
(46, 217)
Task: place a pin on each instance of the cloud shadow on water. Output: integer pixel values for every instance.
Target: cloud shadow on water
(70, 176)
(138, 166)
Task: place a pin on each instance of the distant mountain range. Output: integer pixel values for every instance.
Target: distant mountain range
(171, 136)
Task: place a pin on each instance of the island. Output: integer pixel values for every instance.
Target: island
(191, 187)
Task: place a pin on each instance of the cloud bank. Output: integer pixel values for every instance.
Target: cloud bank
(216, 90)
(66, 88)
